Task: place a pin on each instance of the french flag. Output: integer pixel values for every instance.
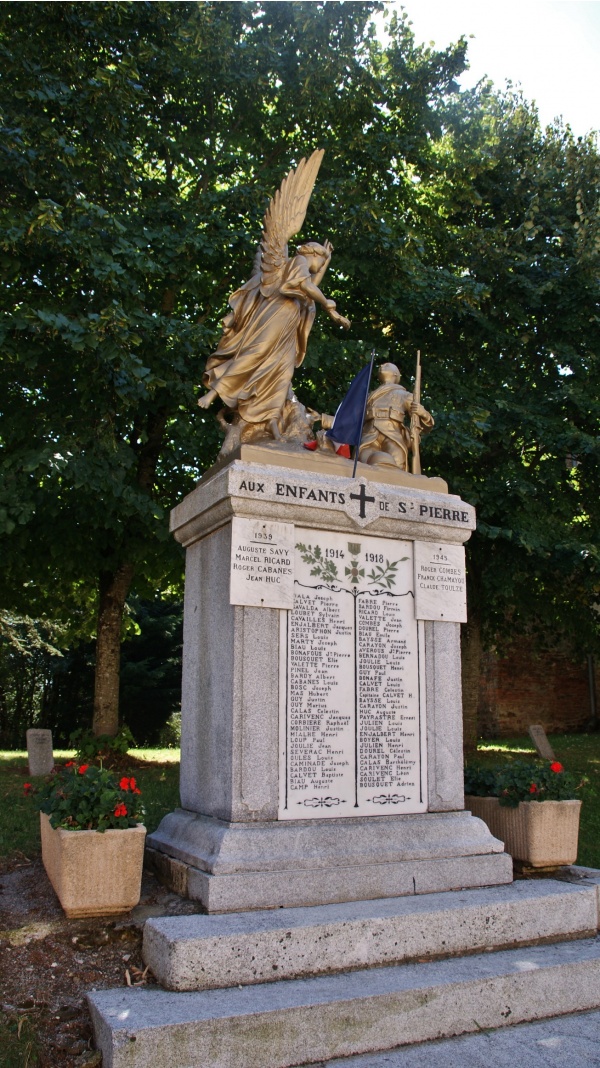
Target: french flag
(350, 416)
(349, 419)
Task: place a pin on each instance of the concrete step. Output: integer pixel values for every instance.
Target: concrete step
(302, 1021)
(206, 952)
(572, 1040)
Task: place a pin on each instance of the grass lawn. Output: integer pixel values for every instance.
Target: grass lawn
(158, 780)
(580, 754)
(19, 1044)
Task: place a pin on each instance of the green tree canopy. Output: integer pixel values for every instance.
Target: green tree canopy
(514, 367)
(140, 144)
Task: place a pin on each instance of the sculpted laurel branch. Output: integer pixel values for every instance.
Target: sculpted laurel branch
(320, 568)
(385, 576)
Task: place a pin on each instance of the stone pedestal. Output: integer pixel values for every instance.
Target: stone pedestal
(259, 827)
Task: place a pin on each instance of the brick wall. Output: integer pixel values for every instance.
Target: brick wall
(522, 688)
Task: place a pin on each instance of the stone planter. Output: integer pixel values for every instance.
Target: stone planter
(94, 874)
(542, 834)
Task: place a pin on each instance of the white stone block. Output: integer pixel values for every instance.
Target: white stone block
(39, 751)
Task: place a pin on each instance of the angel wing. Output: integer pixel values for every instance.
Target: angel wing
(283, 219)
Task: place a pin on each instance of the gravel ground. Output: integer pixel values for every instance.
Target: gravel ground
(48, 963)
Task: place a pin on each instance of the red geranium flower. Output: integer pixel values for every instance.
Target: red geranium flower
(69, 764)
(27, 788)
(83, 768)
(533, 789)
(129, 784)
(121, 810)
(556, 767)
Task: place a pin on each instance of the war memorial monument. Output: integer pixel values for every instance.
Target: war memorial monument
(322, 809)
(321, 723)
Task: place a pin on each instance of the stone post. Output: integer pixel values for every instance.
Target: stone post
(39, 751)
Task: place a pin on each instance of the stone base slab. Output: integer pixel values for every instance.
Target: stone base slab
(207, 952)
(295, 457)
(239, 866)
(307, 1020)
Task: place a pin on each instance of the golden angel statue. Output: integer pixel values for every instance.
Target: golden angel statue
(265, 333)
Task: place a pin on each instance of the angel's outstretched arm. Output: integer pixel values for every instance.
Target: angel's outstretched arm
(315, 294)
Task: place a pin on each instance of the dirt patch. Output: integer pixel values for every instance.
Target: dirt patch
(48, 963)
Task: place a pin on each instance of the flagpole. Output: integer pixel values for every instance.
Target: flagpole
(364, 412)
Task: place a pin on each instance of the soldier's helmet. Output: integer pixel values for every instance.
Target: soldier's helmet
(388, 372)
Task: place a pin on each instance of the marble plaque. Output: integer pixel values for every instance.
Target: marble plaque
(440, 582)
(262, 563)
(352, 692)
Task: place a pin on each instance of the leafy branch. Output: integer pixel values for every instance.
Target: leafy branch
(385, 576)
(320, 568)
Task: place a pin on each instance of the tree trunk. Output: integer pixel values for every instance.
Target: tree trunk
(114, 587)
(470, 649)
(113, 590)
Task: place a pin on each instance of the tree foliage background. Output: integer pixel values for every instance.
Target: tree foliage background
(140, 143)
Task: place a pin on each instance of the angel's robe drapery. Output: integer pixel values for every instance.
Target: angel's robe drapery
(264, 340)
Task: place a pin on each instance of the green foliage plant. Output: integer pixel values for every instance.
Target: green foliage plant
(150, 686)
(517, 436)
(156, 774)
(538, 781)
(101, 748)
(480, 781)
(170, 735)
(523, 781)
(83, 797)
(29, 652)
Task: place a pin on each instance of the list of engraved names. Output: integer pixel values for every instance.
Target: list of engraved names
(351, 717)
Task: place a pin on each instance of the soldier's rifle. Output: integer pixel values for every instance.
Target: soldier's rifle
(415, 422)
